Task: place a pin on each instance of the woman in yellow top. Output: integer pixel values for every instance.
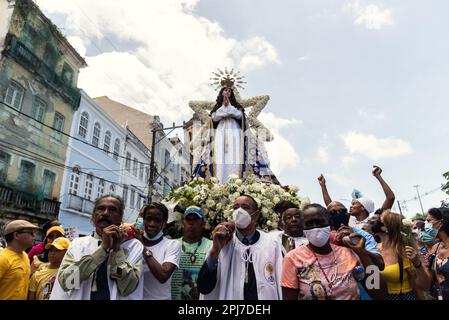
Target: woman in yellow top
(404, 272)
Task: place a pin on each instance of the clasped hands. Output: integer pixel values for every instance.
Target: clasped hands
(113, 236)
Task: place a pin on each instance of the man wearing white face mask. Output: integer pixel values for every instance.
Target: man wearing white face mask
(245, 265)
(323, 271)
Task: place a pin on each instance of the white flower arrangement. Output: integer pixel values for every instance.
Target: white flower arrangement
(217, 200)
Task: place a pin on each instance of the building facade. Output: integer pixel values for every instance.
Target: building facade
(94, 162)
(38, 97)
(166, 155)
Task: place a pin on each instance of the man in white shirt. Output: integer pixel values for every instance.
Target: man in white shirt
(104, 266)
(245, 265)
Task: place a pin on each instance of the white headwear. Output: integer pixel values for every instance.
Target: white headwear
(368, 204)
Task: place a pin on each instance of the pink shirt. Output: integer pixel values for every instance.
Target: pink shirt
(301, 270)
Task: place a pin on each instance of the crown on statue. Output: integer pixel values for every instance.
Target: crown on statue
(227, 79)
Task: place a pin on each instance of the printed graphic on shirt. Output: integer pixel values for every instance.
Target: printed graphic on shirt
(269, 272)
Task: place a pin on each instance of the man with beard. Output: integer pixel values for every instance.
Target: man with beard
(104, 266)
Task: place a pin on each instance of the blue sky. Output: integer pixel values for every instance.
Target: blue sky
(352, 82)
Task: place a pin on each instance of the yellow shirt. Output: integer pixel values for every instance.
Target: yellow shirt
(42, 283)
(391, 275)
(14, 275)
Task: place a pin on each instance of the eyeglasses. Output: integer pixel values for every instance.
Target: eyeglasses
(30, 232)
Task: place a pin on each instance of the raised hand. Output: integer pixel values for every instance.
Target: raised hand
(221, 235)
(377, 171)
(322, 180)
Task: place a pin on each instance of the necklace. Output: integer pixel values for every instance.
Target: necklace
(192, 254)
(324, 273)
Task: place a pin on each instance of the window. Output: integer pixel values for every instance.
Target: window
(38, 112)
(128, 161)
(100, 190)
(88, 186)
(4, 165)
(138, 206)
(132, 200)
(48, 183)
(14, 95)
(74, 181)
(26, 175)
(147, 173)
(167, 158)
(125, 195)
(141, 171)
(116, 148)
(96, 134)
(67, 74)
(84, 123)
(135, 166)
(111, 189)
(50, 56)
(58, 124)
(166, 187)
(107, 141)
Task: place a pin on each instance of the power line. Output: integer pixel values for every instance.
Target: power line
(43, 159)
(68, 135)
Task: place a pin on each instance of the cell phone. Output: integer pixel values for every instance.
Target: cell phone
(139, 223)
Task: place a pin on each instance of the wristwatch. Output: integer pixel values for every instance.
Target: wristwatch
(147, 253)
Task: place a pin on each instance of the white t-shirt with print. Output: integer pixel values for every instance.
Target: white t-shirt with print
(167, 250)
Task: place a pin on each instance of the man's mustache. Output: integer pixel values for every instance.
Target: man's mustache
(104, 219)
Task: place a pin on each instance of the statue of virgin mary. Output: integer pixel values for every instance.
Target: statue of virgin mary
(228, 147)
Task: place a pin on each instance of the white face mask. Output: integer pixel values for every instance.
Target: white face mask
(318, 236)
(241, 218)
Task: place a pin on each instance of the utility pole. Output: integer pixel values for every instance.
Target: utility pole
(151, 180)
(153, 150)
(400, 209)
(419, 198)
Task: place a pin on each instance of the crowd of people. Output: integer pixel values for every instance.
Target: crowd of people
(317, 253)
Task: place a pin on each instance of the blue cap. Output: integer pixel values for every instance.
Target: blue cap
(194, 210)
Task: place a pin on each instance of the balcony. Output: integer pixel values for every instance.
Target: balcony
(80, 204)
(27, 203)
(29, 60)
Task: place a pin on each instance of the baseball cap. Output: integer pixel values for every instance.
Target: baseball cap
(17, 225)
(55, 228)
(194, 210)
(60, 243)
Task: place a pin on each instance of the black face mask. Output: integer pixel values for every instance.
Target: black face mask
(338, 218)
(377, 227)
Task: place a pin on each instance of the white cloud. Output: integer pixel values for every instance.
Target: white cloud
(303, 58)
(341, 180)
(78, 44)
(162, 53)
(347, 161)
(375, 148)
(323, 155)
(371, 115)
(372, 16)
(281, 152)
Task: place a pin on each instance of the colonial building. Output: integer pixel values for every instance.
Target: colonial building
(94, 162)
(166, 156)
(38, 97)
